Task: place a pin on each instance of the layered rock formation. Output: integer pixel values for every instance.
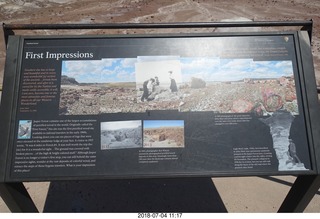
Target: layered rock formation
(280, 124)
(122, 138)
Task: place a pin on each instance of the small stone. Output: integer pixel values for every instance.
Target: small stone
(162, 137)
(63, 110)
(290, 96)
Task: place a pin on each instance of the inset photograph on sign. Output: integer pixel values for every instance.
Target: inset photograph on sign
(121, 134)
(158, 79)
(284, 146)
(24, 130)
(163, 134)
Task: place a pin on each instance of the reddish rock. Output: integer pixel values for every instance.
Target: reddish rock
(273, 102)
(290, 96)
(242, 106)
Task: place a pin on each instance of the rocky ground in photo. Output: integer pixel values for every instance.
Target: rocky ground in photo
(262, 97)
(122, 138)
(163, 137)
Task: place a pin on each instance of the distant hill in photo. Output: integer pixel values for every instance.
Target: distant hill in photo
(65, 80)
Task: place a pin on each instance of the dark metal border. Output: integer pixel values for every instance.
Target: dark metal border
(302, 82)
(311, 103)
(7, 107)
(17, 198)
(300, 194)
(8, 29)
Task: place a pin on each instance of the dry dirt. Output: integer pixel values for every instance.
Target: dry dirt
(259, 96)
(152, 11)
(163, 137)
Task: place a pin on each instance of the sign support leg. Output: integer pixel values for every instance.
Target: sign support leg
(301, 193)
(17, 197)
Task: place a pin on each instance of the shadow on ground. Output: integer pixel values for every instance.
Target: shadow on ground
(136, 195)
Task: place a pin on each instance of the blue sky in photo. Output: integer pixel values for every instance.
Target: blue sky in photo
(207, 68)
(162, 123)
(216, 69)
(100, 71)
(22, 122)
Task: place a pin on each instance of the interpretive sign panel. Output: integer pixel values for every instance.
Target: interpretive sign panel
(145, 106)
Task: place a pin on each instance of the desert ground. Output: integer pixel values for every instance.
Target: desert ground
(163, 137)
(121, 138)
(240, 194)
(259, 96)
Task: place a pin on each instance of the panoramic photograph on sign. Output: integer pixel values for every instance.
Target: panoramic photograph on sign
(178, 83)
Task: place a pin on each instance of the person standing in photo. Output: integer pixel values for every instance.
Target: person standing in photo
(173, 84)
(157, 81)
